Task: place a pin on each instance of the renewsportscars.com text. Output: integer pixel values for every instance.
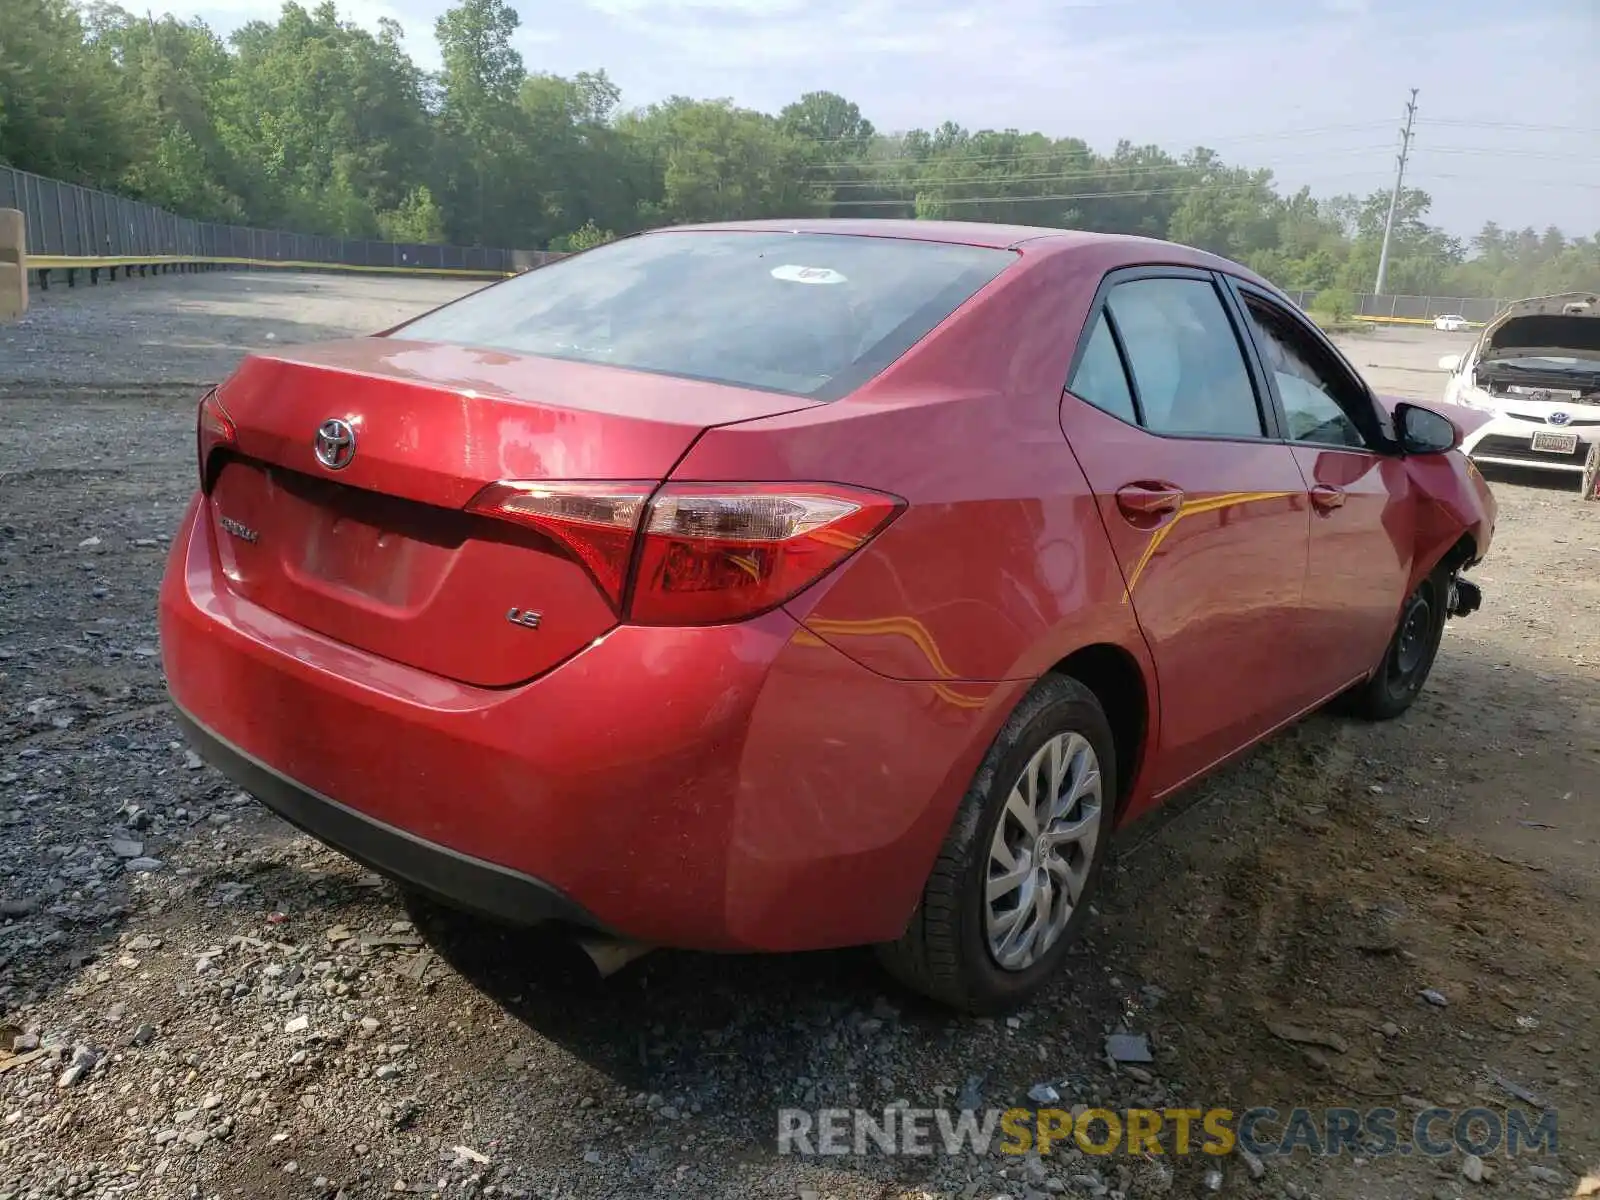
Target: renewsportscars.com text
(1263, 1132)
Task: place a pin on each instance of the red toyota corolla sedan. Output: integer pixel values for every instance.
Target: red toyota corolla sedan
(791, 585)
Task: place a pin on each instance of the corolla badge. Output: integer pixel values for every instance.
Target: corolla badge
(1559, 418)
(335, 444)
(239, 529)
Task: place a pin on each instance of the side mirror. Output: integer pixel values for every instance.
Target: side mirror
(1451, 363)
(1423, 431)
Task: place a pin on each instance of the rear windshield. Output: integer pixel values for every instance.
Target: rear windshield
(813, 315)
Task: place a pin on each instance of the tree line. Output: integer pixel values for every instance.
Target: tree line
(314, 124)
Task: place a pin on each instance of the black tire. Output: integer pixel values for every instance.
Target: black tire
(1409, 658)
(944, 952)
(1590, 487)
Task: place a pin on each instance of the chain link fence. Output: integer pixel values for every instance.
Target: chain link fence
(66, 220)
(1415, 308)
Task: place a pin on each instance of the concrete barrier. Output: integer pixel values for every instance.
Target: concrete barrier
(13, 264)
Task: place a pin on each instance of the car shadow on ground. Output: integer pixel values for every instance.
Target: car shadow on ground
(743, 1035)
(684, 1023)
(1185, 911)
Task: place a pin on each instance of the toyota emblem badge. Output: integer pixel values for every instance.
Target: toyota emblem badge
(335, 444)
(1559, 418)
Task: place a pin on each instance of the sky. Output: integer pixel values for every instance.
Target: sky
(1506, 126)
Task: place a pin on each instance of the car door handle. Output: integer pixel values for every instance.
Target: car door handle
(1326, 497)
(1141, 501)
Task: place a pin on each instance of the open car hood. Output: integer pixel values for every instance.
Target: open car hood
(1565, 325)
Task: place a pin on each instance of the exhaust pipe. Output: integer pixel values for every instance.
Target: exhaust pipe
(609, 954)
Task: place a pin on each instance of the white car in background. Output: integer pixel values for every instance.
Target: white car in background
(1451, 323)
(1536, 369)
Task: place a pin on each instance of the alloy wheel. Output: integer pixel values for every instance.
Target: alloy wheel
(1042, 851)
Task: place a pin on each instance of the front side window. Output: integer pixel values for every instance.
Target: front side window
(1188, 369)
(1308, 386)
(814, 315)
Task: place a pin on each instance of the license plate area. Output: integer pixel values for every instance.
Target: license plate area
(1554, 443)
(363, 558)
(387, 550)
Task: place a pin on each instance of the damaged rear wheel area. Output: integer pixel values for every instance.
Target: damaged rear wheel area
(1464, 597)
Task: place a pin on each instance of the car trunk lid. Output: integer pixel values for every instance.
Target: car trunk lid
(380, 551)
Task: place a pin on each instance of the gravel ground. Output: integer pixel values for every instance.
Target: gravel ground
(200, 1002)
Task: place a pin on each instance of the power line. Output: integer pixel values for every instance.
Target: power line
(1058, 150)
(970, 134)
(1103, 172)
(1514, 126)
(1521, 181)
(1168, 161)
(1110, 170)
(1118, 195)
(1496, 152)
(910, 165)
(1394, 196)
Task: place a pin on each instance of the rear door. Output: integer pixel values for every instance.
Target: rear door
(1363, 515)
(1205, 507)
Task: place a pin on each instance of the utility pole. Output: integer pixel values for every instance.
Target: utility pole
(1394, 198)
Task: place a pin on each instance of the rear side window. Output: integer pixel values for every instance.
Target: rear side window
(1188, 370)
(1100, 378)
(814, 315)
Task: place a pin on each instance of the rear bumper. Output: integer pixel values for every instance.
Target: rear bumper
(444, 874)
(737, 787)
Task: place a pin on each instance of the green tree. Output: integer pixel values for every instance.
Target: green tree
(417, 218)
(171, 83)
(58, 92)
(586, 237)
(309, 122)
(1230, 211)
(715, 161)
(325, 121)
(1334, 303)
(483, 129)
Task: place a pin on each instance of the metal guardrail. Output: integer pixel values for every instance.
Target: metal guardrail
(42, 267)
(72, 227)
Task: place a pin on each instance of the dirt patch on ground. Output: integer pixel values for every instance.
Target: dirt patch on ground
(1312, 924)
(264, 1020)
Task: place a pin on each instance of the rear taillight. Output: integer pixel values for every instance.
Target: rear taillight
(594, 522)
(213, 429)
(706, 553)
(715, 553)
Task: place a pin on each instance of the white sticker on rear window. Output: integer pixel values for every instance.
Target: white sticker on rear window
(791, 273)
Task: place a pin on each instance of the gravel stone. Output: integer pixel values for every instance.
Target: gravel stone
(374, 1055)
